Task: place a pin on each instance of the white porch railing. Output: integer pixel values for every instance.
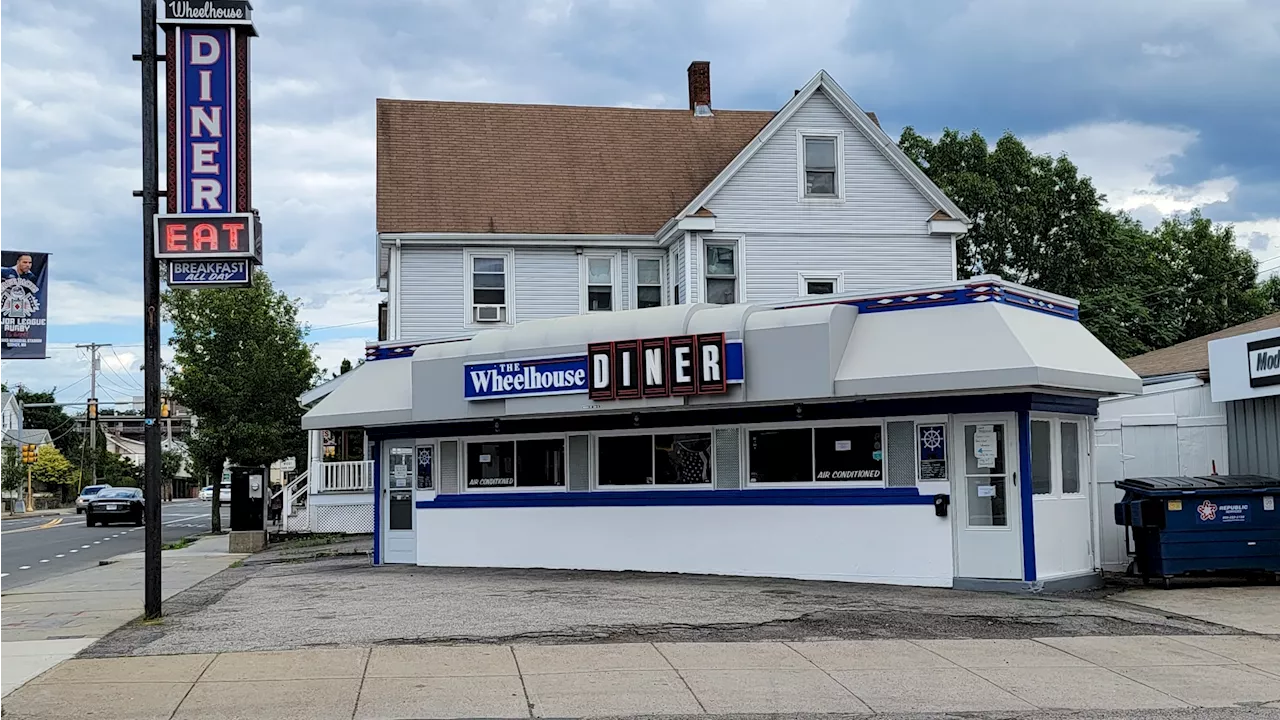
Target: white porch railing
(293, 514)
(354, 475)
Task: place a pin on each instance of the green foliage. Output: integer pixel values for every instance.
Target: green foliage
(240, 362)
(345, 367)
(1038, 221)
(13, 472)
(54, 419)
(52, 468)
(170, 465)
(117, 470)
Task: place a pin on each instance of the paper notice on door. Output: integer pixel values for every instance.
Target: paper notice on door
(1268, 503)
(986, 491)
(844, 445)
(985, 447)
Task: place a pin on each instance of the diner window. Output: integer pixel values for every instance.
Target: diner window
(668, 459)
(1070, 457)
(780, 456)
(599, 272)
(848, 454)
(534, 463)
(722, 274)
(1041, 457)
(821, 166)
(648, 282)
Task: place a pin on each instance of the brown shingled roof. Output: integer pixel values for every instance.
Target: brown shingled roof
(481, 167)
(1193, 355)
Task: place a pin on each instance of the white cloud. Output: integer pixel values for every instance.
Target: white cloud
(74, 303)
(342, 304)
(331, 353)
(1127, 161)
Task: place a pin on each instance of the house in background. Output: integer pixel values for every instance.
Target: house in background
(492, 214)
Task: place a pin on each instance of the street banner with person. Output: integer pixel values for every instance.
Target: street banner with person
(25, 311)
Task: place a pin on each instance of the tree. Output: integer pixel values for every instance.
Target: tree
(118, 470)
(54, 419)
(345, 367)
(54, 471)
(240, 362)
(14, 472)
(1268, 292)
(1038, 221)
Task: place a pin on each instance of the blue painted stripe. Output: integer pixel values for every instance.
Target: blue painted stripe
(645, 498)
(734, 371)
(377, 502)
(1027, 498)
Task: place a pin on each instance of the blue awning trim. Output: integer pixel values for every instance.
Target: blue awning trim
(641, 498)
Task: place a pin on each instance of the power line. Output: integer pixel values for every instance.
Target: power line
(130, 378)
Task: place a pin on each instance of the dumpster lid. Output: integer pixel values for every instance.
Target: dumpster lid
(1216, 483)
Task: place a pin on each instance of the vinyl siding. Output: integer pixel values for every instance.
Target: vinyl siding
(762, 196)
(547, 283)
(1253, 436)
(432, 290)
(870, 263)
(624, 280)
(680, 294)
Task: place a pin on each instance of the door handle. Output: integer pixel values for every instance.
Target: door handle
(1015, 478)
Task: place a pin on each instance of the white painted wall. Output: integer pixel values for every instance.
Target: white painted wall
(893, 544)
(1173, 428)
(1064, 536)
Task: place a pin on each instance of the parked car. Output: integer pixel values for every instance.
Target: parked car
(87, 494)
(224, 492)
(115, 505)
(206, 493)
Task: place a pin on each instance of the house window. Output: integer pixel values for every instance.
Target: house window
(515, 464)
(488, 286)
(1055, 457)
(722, 275)
(648, 282)
(780, 456)
(819, 283)
(599, 284)
(669, 459)
(848, 454)
(820, 167)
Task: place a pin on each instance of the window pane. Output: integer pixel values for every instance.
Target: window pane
(647, 296)
(721, 292)
(599, 298)
(990, 439)
(1070, 458)
(599, 271)
(1041, 459)
(848, 454)
(683, 459)
(488, 280)
(426, 479)
(719, 260)
(540, 463)
(491, 464)
(987, 501)
(489, 297)
(649, 272)
(781, 455)
(820, 183)
(625, 460)
(480, 264)
(820, 287)
(820, 153)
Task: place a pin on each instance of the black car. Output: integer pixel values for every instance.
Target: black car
(114, 505)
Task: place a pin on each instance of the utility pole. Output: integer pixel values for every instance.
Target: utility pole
(92, 409)
(151, 309)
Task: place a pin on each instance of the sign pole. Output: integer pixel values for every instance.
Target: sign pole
(151, 311)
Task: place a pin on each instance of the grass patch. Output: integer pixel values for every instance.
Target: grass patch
(151, 623)
(237, 564)
(177, 544)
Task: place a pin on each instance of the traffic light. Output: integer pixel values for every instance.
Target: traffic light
(30, 453)
(93, 408)
(164, 407)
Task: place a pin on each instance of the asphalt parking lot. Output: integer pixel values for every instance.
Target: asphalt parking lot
(343, 602)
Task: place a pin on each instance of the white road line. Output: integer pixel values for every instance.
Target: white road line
(95, 542)
(24, 567)
(58, 556)
(4, 574)
(84, 547)
(75, 551)
(44, 561)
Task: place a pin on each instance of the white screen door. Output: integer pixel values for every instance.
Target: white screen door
(398, 542)
(986, 498)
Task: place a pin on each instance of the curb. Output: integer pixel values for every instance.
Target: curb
(40, 513)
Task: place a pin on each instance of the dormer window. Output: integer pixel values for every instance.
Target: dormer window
(821, 165)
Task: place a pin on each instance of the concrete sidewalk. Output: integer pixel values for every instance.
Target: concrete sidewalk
(47, 622)
(1141, 674)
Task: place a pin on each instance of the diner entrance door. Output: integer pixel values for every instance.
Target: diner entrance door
(398, 542)
(985, 493)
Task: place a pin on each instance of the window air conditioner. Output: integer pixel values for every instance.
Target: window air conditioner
(489, 313)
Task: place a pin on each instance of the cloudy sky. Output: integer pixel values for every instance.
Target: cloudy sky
(1169, 104)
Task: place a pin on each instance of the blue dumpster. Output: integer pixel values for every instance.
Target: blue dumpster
(1215, 523)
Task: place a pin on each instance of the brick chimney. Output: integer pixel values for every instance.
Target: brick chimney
(700, 88)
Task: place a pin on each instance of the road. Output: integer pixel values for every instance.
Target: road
(33, 549)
